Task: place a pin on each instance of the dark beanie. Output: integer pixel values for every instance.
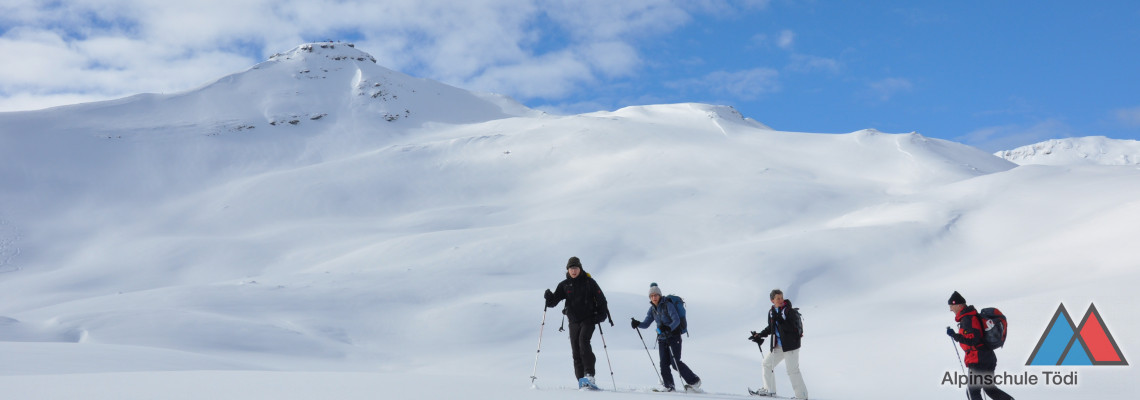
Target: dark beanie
(956, 299)
(573, 263)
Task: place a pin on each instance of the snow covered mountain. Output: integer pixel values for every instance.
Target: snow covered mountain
(1090, 150)
(321, 227)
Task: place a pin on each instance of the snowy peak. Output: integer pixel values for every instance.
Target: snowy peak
(338, 80)
(683, 113)
(335, 51)
(1090, 150)
(312, 88)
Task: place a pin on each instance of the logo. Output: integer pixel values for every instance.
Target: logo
(1089, 343)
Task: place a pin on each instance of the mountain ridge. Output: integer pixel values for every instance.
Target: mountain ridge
(1088, 150)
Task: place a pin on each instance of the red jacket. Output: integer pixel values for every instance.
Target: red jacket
(970, 338)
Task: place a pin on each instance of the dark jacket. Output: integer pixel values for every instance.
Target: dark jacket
(584, 299)
(970, 337)
(785, 320)
(667, 317)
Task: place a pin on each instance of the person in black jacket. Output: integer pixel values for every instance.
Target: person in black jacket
(980, 358)
(786, 329)
(585, 306)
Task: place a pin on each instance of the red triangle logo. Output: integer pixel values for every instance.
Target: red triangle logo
(1101, 346)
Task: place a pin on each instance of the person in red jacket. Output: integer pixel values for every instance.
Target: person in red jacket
(980, 358)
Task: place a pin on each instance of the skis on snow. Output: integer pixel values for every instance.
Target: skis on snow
(763, 393)
(687, 390)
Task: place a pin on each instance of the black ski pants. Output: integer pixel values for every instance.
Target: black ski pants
(580, 335)
(975, 391)
(669, 351)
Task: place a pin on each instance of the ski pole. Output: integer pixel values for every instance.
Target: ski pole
(533, 373)
(759, 344)
(604, 347)
(652, 364)
(960, 363)
(672, 356)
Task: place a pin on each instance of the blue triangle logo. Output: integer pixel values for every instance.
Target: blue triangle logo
(1056, 342)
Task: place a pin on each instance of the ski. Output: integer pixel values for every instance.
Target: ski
(758, 393)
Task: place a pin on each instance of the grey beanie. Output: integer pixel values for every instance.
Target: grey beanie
(653, 289)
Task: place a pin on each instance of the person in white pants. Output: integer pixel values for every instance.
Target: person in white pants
(786, 329)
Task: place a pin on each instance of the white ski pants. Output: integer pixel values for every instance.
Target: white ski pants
(793, 364)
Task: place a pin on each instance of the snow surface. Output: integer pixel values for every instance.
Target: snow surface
(395, 241)
(1090, 150)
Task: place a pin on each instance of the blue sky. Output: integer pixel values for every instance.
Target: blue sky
(994, 75)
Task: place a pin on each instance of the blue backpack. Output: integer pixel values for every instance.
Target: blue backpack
(679, 304)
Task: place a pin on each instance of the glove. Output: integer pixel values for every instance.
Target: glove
(634, 323)
(756, 338)
(548, 295)
(950, 332)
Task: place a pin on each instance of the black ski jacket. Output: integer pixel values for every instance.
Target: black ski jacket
(584, 299)
(789, 325)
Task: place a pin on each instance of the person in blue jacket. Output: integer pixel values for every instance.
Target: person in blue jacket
(668, 339)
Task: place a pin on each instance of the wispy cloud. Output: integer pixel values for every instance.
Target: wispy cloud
(743, 85)
(786, 39)
(525, 48)
(803, 63)
(809, 63)
(884, 90)
(1129, 117)
(1008, 137)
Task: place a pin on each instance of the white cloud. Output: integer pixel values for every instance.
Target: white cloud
(744, 85)
(607, 20)
(515, 47)
(786, 39)
(611, 58)
(548, 77)
(46, 64)
(724, 8)
(1129, 117)
(884, 90)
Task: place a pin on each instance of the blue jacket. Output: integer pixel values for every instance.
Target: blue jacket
(665, 313)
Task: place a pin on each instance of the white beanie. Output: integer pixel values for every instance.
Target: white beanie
(653, 289)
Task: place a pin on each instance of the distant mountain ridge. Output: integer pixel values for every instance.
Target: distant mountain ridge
(1089, 150)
